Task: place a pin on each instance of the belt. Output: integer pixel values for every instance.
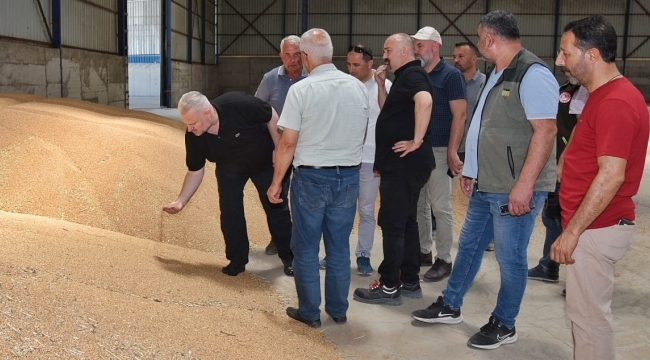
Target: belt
(327, 167)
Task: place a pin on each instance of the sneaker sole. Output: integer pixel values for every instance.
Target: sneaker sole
(391, 302)
(444, 320)
(426, 279)
(508, 340)
(361, 273)
(538, 278)
(412, 294)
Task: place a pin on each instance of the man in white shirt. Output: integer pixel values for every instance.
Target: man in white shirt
(360, 64)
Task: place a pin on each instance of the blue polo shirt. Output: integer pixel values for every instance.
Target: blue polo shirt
(448, 84)
(275, 85)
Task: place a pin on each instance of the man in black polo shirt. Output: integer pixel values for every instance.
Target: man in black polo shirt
(404, 160)
(238, 132)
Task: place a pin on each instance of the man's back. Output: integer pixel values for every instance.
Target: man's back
(330, 110)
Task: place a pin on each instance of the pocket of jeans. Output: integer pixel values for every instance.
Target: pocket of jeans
(347, 197)
(312, 196)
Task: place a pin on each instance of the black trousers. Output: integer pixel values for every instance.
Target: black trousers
(233, 221)
(398, 208)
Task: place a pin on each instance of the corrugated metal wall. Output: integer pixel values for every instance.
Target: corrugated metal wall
(23, 20)
(144, 29)
(257, 27)
(89, 24)
(247, 27)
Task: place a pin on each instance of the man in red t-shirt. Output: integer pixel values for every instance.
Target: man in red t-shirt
(602, 169)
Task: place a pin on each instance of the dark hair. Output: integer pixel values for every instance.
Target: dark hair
(363, 50)
(595, 32)
(503, 23)
(471, 46)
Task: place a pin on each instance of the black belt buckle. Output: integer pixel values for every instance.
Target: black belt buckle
(625, 222)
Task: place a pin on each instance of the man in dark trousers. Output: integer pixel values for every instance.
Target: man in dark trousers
(404, 160)
(238, 132)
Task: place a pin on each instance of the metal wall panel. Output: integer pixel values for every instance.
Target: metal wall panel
(210, 32)
(254, 27)
(179, 30)
(144, 27)
(86, 26)
(456, 21)
(639, 35)
(23, 20)
(374, 21)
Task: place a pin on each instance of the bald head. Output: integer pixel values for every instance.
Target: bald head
(316, 47)
(398, 50)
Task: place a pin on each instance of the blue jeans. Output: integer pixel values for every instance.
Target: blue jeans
(511, 234)
(553, 231)
(553, 224)
(323, 204)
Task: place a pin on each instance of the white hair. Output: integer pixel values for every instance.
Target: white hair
(193, 100)
(290, 38)
(317, 44)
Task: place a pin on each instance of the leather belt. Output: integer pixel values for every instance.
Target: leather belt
(327, 167)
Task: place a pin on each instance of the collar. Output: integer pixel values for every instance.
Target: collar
(477, 74)
(323, 68)
(409, 64)
(440, 65)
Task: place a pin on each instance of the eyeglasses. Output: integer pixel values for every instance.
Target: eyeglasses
(360, 50)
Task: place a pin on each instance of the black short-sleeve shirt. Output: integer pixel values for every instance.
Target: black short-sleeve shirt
(243, 145)
(396, 122)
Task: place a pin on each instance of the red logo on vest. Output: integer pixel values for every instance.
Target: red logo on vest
(565, 97)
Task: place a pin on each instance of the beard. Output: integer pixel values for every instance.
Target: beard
(573, 80)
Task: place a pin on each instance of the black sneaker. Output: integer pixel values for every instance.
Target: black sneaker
(492, 335)
(413, 291)
(379, 294)
(438, 312)
(537, 273)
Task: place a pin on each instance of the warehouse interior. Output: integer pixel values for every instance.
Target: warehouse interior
(147, 53)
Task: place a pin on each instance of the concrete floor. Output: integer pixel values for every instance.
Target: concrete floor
(389, 332)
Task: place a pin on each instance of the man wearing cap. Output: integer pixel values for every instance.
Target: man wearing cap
(447, 129)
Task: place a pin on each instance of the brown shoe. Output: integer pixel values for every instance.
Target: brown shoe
(271, 249)
(440, 270)
(426, 259)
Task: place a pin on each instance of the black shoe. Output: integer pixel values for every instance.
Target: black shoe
(440, 270)
(295, 314)
(271, 249)
(564, 292)
(288, 269)
(379, 294)
(413, 291)
(339, 320)
(426, 259)
(492, 335)
(233, 270)
(537, 273)
(438, 312)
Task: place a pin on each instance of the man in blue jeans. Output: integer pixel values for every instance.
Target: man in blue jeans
(509, 169)
(324, 121)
